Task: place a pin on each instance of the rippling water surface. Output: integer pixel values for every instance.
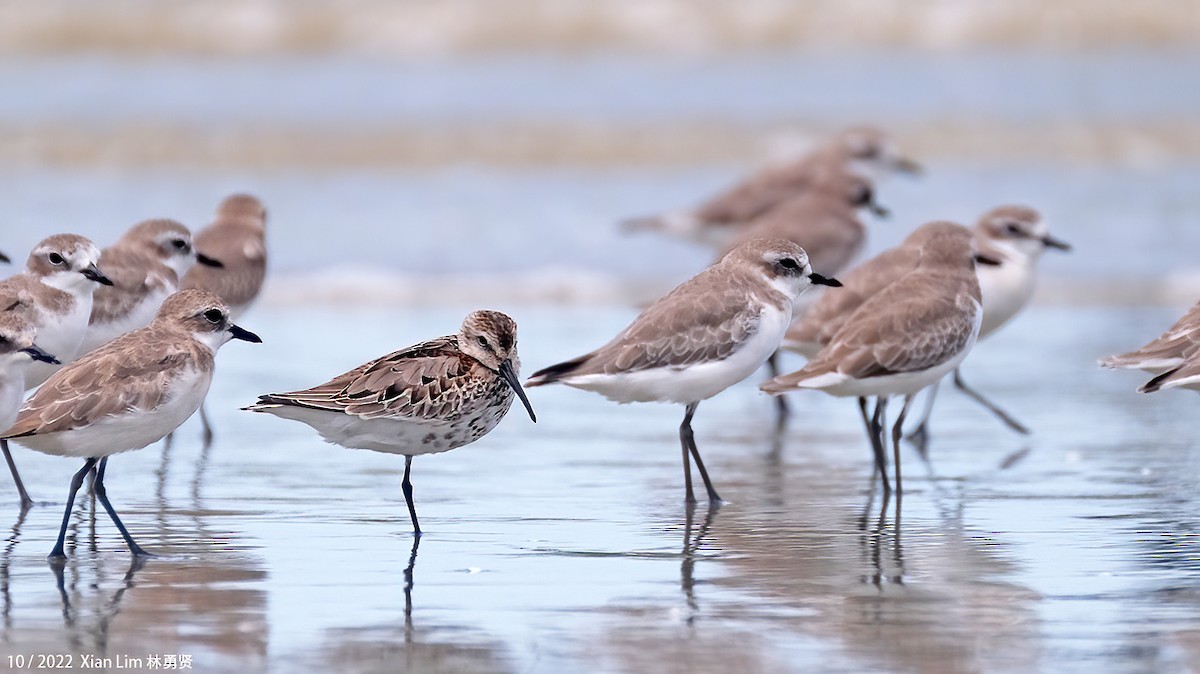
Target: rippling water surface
(566, 545)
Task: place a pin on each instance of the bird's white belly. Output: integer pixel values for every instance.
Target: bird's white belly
(396, 436)
(693, 383)
(1006, 290)
(132, 430)
(59, 335)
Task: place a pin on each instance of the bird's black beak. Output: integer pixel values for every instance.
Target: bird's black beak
(907, 166)
(1051, 242)
(985, 260)
(819, 280)
(878, 211)
(244, 334)
(510, 378)
(4, 258)
(92, 272)
(208, 261)
(37, 354)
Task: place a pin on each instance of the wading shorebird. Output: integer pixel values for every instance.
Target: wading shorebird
(903, 338)
(127, 394)
(704, 336)
(864, 150)
(428, 398)
(145, 266)
(236, 237)
(56, 286)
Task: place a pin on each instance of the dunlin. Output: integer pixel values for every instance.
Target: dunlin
(431, 397)
(903, 338)
(17, 352)
(863, 150)
(236, 237)
(1009, 241)
(704, 336)
(128, 393)
(60, 276)
(145, 266)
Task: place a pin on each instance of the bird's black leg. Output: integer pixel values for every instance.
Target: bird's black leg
(782, 411)
(919, 436)
(26, 502)
(102, 495)
(685, 442)
(208, 432)
(897, 433)
(713, 496)
(991, 407)
(76, 483)
(406, 486)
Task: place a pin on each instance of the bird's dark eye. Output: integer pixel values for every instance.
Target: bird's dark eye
(1014, 229)
(483, 341)
(862, 196)
(789, 263)
(179, 243)
(55, 258)
(214, 316)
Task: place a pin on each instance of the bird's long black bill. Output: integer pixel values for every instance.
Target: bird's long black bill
(209, 261)
(244, 334)
(879, 211)
(1051, 242)
(510, 378)
(4, 258)
(93, 273)
(819, 280)
(38, 354)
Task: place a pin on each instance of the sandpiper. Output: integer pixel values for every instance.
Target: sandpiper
(861, 150)
(903, 338)
(59, 277)
(236, 237)
(1009, 241)
(428, 398)
(704, 336)
(145, 266)
(128, 393)
(17, 352)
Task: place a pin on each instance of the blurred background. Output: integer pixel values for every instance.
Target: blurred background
(471, 151)
(430, 157)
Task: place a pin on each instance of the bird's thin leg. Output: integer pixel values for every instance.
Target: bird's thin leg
(919, 435)
(897, 433)
(102, 495)
(208, 432)
(406, 486)
(713, 496)
(26, 502)
(878, 424)
(873, 436)
(76, 483)
(685, 442)
(991, 407)
(782, 411)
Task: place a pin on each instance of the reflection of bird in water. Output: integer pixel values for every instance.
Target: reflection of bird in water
(10, 544)
(100, 631)
(408, 588)
(687, 568)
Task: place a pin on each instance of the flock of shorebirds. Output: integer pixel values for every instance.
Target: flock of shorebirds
(117, 345)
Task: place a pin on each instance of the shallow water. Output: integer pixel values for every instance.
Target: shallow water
(566, 546)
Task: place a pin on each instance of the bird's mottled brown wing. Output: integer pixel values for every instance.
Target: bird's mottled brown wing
(143, 362)
(1180, 340)
(703, 320)
(241, 249)
(756, 195)
(427, 381)
(912, 325)
(24, 289)
(133, 274)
